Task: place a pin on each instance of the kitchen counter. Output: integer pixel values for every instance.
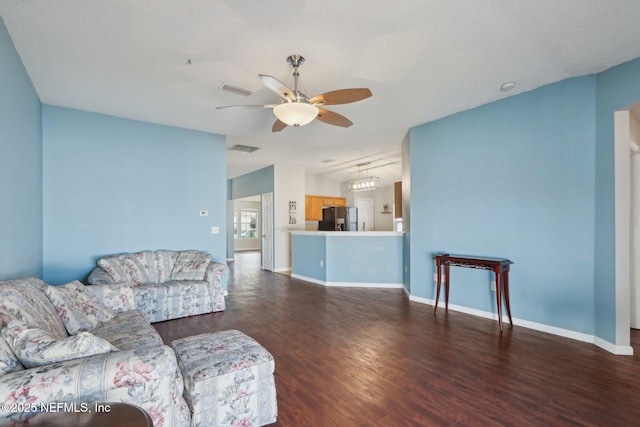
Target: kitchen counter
(348, 258)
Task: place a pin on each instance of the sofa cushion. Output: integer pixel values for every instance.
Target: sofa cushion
(24, 299)
(164, 261)
(129, 330)
(135, 268)
(8, 361)
(78, 307)
(118, 297)
(146, 259)
(37, 347)
(190, 265)
(173, 299)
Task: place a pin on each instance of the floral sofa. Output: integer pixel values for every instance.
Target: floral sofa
(162, 284)
(109, 357)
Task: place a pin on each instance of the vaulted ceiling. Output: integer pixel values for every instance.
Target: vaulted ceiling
(164, 62)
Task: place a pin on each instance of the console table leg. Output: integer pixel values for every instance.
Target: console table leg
(437, 285)
(498, 273)
(505, 283)
(446, 285)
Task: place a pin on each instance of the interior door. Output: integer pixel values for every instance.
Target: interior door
(365, 214)
(267, 231)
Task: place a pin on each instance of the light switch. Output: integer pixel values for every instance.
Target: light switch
(215, 230)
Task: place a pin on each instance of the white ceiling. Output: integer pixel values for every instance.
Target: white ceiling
(421, 59)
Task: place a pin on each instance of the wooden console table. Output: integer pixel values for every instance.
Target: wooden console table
(500, 266)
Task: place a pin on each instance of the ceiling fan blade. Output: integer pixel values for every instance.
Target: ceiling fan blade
(277, 86)
(342, 96)
(332, 118)
(278, 126)
(241, 107)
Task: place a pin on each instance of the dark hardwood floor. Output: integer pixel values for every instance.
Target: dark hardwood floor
(370, 357)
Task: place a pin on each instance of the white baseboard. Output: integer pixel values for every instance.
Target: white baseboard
(349, 284)
(281, 270)
(622, 350)
(567, 333)
(231, 259)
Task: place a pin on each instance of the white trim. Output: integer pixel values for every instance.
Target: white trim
(579, 336)
(281, 270)
(350, 233)
(619, 350)
(349, 284)
(231, 259)
(406, 292)
(622, 215)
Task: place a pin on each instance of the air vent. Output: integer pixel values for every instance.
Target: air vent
(243, 148)
(236, 89)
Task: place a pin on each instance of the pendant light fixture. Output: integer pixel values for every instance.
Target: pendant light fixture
(364, 183)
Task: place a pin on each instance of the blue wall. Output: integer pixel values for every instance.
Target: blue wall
(115, 185)
(348, 257)
(306, 261)
(364, 259)
(514, 178)
(253, 184)
(20, 167)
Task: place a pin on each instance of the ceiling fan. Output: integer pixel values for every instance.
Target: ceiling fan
(296, 109)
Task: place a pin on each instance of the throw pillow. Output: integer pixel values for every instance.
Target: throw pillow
(124, 268)
(78, 307)
(8, 361)
(190, 265)
(37, 347)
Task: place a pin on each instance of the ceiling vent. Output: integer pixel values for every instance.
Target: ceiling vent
(243, 148)
(236, 89)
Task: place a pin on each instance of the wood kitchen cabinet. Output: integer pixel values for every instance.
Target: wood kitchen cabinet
(397, 196)
(313, 205)
(313, 208)
(328, 201)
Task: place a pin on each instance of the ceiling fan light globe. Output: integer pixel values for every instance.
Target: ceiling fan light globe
(295, 113)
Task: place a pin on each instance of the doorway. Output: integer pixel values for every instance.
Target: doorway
(253, 227)
(365, 214)
(627, 291)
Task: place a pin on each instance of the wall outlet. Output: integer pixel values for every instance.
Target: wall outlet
(435, 277)
(321, 263)
(203, 212)
(215, 230)
(493, 285)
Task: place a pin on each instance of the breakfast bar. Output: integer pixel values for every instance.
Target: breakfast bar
(348, 258)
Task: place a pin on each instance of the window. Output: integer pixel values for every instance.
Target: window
(245, 223)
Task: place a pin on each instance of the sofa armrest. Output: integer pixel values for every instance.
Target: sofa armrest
(118, 297)
(213, 276)
(134, 376)
(99, 276)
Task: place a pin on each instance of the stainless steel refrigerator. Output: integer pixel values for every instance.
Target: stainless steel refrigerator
(337, 218)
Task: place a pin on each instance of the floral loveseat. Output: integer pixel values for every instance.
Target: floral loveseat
(109, 357)
(162, 284)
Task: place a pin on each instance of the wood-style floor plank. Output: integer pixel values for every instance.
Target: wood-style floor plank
(370, 357)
